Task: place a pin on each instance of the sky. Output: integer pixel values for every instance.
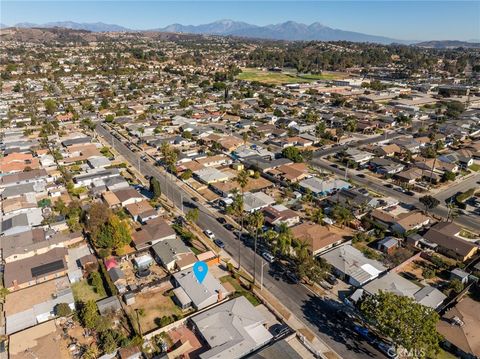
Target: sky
(403, 20)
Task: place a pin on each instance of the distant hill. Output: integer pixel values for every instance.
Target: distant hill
(94, 27)
(289, 30)
(448, 44)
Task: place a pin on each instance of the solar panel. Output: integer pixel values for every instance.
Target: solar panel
(47, 268)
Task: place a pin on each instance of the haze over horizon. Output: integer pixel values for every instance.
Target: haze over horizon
(403, 20)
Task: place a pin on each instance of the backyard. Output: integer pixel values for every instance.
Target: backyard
(151, 307)
(83, 292)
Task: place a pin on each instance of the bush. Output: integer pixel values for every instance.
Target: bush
(62, 310)
(428, 273)
(164, 321)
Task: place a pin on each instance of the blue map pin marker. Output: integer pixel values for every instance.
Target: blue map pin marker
(200, 269)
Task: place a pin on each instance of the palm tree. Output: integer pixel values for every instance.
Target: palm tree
(242, 180)
(316, 216)
(301, 250)
(284, 239)
(256, 220)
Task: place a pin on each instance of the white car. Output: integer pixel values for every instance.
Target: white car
(268, 257)
(209, 234)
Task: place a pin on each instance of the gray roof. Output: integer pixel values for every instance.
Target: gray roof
(252, 201)
(201, 294)
(13, 191)
(396, 284)
(109, 304)
(232, 329)
(317, 185)
(20, 220)
(168, 249)
(353, 263)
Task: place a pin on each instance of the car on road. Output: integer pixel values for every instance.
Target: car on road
(409, 193)
(334, 165)
(219, 243)
(209, 234)
(229, 227)
(195, 199)
(361, 175)
(388, 185)
(400, 189)
(387, 349)
(292, 277)
(364, 333)
(221, 220)
(268, 257)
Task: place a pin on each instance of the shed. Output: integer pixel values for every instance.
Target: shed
(109, 304)
(143, 261)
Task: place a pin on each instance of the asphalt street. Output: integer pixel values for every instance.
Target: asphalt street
(322, 316)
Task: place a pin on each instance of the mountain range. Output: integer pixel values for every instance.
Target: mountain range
(289, 30)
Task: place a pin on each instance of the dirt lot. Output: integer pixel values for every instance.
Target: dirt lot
(154, 305)
(157, 272)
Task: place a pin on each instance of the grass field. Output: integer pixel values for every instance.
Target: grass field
(278, 78)
(83, 292)
(270, 78)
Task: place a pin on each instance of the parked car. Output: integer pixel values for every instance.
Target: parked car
(331, 279)
(292, 277)
(409, 193)
(228, 227)
(209, 234)
(268, 257)
(364, 333)
(387, 349)
(221, 220)
(361, 175)
(388, 185)
(219, 243)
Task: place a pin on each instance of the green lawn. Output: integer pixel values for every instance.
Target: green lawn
(83, 292)
(474, 167)
(239, 290)
(270, 78)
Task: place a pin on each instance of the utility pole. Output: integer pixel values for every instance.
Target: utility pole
(261, 275)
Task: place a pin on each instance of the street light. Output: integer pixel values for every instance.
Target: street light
(261, 275)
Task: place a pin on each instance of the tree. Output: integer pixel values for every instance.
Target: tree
(316, 216)
(98, 215)
(97, 283)
(50, 106)
(456, 286)
(62, 310)
(448, 176)
(310, 269)
(192, 215)
(90, 352)
(256, 221)
(107, 342)
(293, 154)
(114, 234)
(429, 202)
(89, 314)
(155, 188)
(186, 175)
(407, 323)
(342, 215)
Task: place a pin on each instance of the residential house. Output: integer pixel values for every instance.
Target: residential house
(37, 269)
(276, 215)
(352, 266)
(232, 330)
(152, 232)
(34, 305)
(410, 221)
(323, 187)
(255, 201)
(319, 238)
(396, 284)
(189, 292)
(445, 235)
(459, 328)
(171, 252)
